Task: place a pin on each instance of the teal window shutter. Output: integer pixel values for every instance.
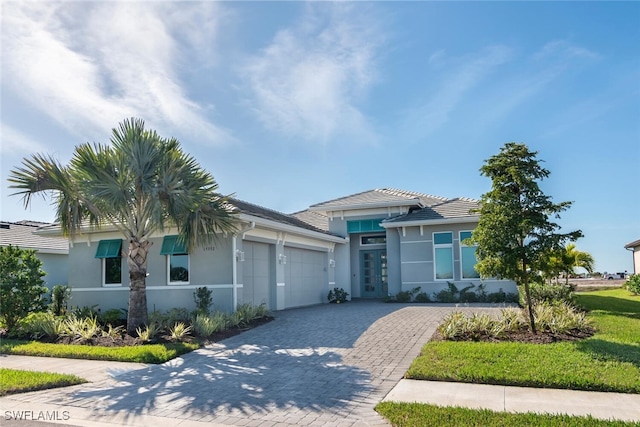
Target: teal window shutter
(109, 248)
(171, 245)
(445, 238)
(364, 225)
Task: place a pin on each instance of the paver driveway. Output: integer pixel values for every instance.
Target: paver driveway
(322, 365)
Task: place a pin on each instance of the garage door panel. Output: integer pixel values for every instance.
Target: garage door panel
(256, 271)
(305, 277)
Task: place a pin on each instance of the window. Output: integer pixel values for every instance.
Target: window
(110, 252)
(443, 255)
(468, 258)
(364, 225)
(177, 259)
(373, 240)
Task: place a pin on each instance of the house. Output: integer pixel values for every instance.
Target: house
(372, 244)
(635, 248)
(53, 251)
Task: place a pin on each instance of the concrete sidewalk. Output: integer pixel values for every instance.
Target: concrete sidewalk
(619, 406)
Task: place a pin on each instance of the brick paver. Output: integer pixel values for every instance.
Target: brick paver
(326, 365)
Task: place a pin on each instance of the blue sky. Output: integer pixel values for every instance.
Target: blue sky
(293, 103)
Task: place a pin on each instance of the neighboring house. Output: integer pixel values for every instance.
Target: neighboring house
(52, 251)
(635, 248)
(372, 244)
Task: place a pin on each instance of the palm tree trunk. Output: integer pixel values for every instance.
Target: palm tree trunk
(137, 261)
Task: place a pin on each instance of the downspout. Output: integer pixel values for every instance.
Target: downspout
(633, 258)
(234, 257)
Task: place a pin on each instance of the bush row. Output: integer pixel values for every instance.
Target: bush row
(454, 295)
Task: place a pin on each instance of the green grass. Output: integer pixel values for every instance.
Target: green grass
(422, 415)
(150, 353)
(607, 361)
(18, 381)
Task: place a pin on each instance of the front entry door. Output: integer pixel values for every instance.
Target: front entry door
(373, 273)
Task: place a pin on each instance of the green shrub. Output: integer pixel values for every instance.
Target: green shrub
(422, 297)
(548, 292)
(21, 290)
(86, 312)
(81, 328)
(337, 295)
(148, 333)
(633, 284)
(203, 298)
(112, 332)
(179, 331)
(560, 318)
(60, 295)
(41, 324)
(449, 295)
(113, 316)
(205, 326)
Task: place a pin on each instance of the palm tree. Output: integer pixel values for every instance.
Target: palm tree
(567, 259)
(140, 184)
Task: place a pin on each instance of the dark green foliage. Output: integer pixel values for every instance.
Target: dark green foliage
(203, 298)
(515, 233)
(113, 317)
(21, 290)
(633, 284)
(422, 297)
(337, 295)
(86, 312)
(60, 295)
(407, 296)
(549, 292)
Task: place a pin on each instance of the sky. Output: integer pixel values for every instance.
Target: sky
(293, 103)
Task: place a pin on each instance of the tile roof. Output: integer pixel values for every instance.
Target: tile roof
(448, 209)
(262, 212)
(316, 219)
(21, 234)
(386, 196)
(633, 244)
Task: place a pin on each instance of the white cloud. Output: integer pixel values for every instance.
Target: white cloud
(307, 82)
(462, 75)
(14, 142)
(89, 65)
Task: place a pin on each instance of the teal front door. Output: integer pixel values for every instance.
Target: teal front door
(373, 273)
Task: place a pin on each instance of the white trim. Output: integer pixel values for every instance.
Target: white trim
(153, 288)
(460, 247)
(280, 284)
(416, 262)
(437, 246)
(293, 229)
(416, 241)
(416, 283)
(372, 235)
(428, 222)
(332, 283)
(169, 282)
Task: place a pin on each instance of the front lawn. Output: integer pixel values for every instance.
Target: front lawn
(18, 381)
(148, 353)
(607, 361)
(423, 415)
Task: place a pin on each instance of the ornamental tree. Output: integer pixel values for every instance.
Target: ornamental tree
(21, 285)
(516, 231)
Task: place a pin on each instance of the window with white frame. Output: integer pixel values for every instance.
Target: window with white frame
(443, 255)
(378, 239)
(468, 258)
(110, 254)
(177, 260)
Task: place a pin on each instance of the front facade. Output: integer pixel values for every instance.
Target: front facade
(52, 251)
(372, 244)
(635, 248)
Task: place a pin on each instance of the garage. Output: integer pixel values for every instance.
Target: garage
(256, 287)
(305, 277)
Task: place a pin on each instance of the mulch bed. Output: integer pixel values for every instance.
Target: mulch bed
(123, 340)
(524, 336)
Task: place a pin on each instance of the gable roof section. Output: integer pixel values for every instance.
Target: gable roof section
(316, 219)
(632, 245)
(458, 209)
(378, 198)
(21, 234)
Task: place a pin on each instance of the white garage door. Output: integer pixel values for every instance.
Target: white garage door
(256, 274)
(305, 277)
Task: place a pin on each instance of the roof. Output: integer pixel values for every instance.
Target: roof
(21, 234)
(378, 197)
(457, 208)
(262, 212)
(634, 244)
(313, 218)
